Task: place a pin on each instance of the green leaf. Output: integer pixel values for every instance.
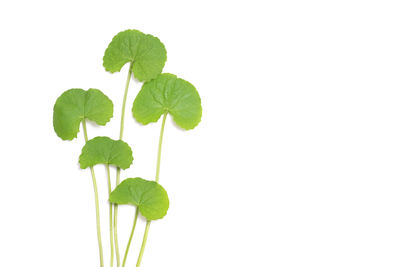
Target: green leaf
(146, 52)
(150, 197)
(167, 93)
(74, 105)
(104, 150)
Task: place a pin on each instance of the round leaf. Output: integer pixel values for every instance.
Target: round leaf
(104, 150)
(74, 105)
(168, 93)
(146, 52)
(150, 197)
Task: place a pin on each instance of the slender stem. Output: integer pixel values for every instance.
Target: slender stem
(116, 235)
(121, 129)
(121, 134)
(96, 197)
(85, 130)
(111, 218)
(146, 231)
(130, 238)
(159, 147)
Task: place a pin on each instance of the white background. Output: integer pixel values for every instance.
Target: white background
(296, 160)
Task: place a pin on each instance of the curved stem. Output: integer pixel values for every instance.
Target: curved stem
(121, 129)
(159, 147)
(111, 217)
(96, 197)
(130, 238)
(121, 134)
(146, 232)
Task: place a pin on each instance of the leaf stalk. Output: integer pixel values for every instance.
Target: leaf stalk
(96, 197)
(130, 237)
(111, 217)
(118, 178)
(146, 231)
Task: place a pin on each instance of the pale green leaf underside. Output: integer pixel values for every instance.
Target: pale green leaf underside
(146, 52)
(74, 105)
(104, 150)
(150, 197)
(167, 93)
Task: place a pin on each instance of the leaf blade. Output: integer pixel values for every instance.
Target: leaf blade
(147, 53)
(76, 104)
(168, 93)
(104, 150)
(150, 197)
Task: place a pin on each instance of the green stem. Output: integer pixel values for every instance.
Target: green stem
(159, 147)
(146, 231)
(121, 129)
(121, 134)
(130, 238)
(96, 197)
(115, 234)
(111, 217)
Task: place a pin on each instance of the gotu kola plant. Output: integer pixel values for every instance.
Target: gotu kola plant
(160, 95)
(104, 150)
(72, 108)
(146, 56)
(166, 94)
(149, 197)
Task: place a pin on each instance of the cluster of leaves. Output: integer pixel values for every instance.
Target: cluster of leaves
(161, 94)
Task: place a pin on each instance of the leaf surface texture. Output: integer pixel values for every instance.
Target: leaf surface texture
(104, 150)
(168, 94)
(74, 105)
(150, 197)
(146, 52)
